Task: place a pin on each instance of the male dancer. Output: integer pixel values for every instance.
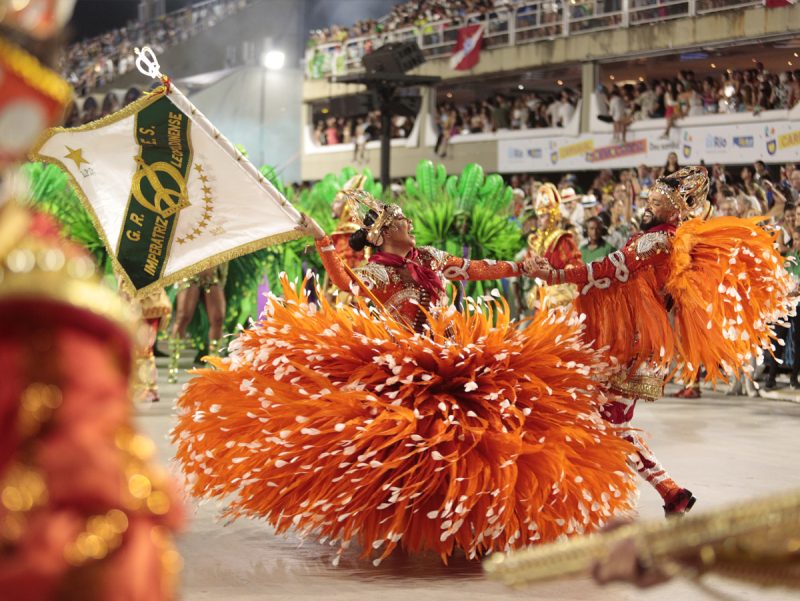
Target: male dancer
(627, 300)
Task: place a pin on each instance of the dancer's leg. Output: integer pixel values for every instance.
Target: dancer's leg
(215, 309)
(185, 306)
(619, 412)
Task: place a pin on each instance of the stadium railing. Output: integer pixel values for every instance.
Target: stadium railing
(522, 23)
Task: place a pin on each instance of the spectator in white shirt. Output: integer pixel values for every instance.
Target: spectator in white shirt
(618, 115)
(553, 112)
(565, 110)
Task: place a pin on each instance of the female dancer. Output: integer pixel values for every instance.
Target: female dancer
(406, 422)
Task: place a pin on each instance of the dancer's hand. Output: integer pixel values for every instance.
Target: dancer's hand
(309, 227)
(537, 267)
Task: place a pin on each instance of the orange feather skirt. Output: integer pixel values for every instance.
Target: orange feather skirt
(479, 435)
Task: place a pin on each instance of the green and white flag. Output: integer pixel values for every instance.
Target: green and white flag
(169, 195)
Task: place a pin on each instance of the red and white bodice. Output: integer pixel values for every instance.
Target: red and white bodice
(395, 288)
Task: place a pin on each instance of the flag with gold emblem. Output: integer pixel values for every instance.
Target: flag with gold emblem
(169, 195)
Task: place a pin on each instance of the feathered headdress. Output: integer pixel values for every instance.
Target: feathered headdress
(387, 214)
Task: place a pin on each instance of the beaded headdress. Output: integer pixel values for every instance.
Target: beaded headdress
(387, 214)
(690, 198)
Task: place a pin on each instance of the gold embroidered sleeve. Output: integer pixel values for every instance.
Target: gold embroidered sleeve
(373, 275)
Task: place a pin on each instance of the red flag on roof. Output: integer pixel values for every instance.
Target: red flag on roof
(468, 48)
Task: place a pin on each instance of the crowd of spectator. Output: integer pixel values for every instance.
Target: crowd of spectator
(618, 198)
(524, 111)
(91, 63)
(334, 130)
(497, 112)
(687, 95)
(535, 19)
(422, 14)
(733, 91)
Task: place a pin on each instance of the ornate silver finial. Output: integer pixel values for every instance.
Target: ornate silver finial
(147, 63)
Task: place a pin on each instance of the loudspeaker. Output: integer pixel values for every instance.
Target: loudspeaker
(393, 58)
(407, 106)
(355, 105)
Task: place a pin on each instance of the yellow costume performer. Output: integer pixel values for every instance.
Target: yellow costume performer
(554, 244)
(433, 430)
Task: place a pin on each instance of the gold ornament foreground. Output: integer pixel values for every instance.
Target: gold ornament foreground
(755, 540)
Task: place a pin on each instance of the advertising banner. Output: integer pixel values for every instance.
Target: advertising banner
(772, 142)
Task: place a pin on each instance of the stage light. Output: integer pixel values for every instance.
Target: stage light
(520, 87)
(713, 65)
(559, 82)
(611, 77)
(273, 60)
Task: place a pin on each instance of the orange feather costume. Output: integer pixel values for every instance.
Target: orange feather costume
(471, 433)
(701, 293)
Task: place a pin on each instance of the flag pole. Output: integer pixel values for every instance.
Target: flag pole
(147, 64)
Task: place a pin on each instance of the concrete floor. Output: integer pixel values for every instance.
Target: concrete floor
(723, 449)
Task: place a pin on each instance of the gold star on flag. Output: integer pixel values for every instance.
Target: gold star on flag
(76, 155)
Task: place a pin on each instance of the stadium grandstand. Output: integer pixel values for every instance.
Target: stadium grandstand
(571, 86)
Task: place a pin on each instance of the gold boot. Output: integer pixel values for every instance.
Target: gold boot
(175, 348)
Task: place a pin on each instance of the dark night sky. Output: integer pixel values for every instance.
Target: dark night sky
(92, 17)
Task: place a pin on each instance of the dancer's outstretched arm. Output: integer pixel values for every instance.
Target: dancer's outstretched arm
(650, 249)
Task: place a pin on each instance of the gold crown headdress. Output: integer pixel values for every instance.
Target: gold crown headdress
(347, 223)
(547, 197)
(690, 198)
(387, 214)
(548, 201)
